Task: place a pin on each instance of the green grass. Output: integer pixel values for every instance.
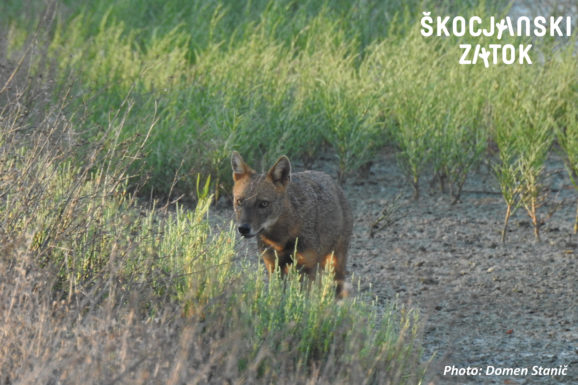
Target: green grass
(267, 78)
(83, 254)
(529, 105)
(567, 125)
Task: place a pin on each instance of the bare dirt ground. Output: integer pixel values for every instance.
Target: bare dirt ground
(482, 303)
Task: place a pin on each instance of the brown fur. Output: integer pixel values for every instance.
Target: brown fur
(304, 214)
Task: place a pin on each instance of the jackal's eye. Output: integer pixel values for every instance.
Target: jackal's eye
(263, 204)
(239, 202)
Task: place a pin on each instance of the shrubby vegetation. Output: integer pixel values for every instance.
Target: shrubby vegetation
(97, 286)
(271, 77)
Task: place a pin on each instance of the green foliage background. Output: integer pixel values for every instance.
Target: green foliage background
(271, 77)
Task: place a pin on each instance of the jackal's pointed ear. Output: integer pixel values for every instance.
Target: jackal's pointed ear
(240, 168)
(280, 173)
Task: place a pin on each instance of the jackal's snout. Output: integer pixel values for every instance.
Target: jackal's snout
(245, 230)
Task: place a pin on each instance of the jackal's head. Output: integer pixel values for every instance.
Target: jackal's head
(258, 198)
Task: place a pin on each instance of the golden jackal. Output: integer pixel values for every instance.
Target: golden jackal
(303, 215)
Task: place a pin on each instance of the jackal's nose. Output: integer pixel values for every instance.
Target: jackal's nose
(244, 229)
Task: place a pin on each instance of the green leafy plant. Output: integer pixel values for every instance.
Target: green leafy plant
(568, 139)
(524, 136)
